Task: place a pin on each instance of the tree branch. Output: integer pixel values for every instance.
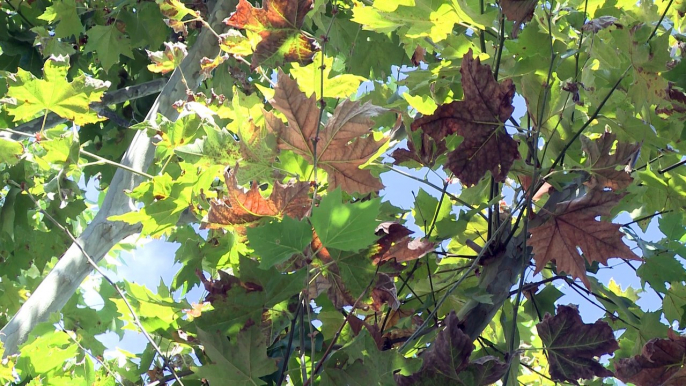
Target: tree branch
(101, 234)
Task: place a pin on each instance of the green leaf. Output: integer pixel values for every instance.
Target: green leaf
(660, 269)
(70, 100)
(239, 362)
(10, 151)
(426, 209)
(276, 242)
(347, 227)
(361, 361)
(45, 352)
(63, 12)
(146, 25)
(109, 43)
(310, 79)
(674, 302)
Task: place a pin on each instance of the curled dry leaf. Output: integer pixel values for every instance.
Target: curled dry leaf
(242, 208)
(343, 145)
(601, 22)
(384, 291)
(574, 224)
(603, 161)
(478, 118)
(278, 23)
(661, 363)
(446, 362)
(573, 346)
(396, 244)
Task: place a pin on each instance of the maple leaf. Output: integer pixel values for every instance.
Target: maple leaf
(278, 23)
(239, 207)
(447, 361)
(166, 61)
(28, 95)
(572, 345)
(604, 165)
(661, 363)
(573, 225)
(341, 146)
(478, 118)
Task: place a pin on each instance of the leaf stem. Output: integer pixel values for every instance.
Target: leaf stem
(109, 162)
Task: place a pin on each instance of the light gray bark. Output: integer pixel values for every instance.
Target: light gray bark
(101, 235)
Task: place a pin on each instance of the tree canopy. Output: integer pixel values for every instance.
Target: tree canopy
(547, 138)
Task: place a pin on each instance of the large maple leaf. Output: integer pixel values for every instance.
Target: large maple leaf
(343, 145)
(572, 345)
(574, 224)
(604, 162)
(479, 118)
(278, 23)
(239, 207)
(661, 363)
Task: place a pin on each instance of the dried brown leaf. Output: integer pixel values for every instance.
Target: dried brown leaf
(574, 225)
(518, 11)
(603, 162)
(573, 346)
(661, 363)
(479, 119)
(242, 208)
(343, 145)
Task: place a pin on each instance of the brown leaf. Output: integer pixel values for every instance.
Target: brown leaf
(604, 162)
(344, 144)
(447, 361)
(418, 55)
(518, 11)
(661, 363)
(277, 23)
(395, 244)
(574, 225)
(240, 207)
(479, 120)
(384, 291)
(572, 346)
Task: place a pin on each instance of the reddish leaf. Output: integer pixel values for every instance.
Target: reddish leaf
(603, 161)
(574, 225)
(661, 363)
(278, 23)
(447, 361)
(479, 119)
(344, 144)
(572, 346)
(239, 207)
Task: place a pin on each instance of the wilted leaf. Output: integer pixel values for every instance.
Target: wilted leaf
(572, 345)
(396, 244)
(344, 144)
(384, 291)
(239, 207)
(278, 23)
(574, 224)
(518, 11)
(446, 362)
(479, 118)
(166, 61)
(603, 161)
(601, 22)
(661, 363)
